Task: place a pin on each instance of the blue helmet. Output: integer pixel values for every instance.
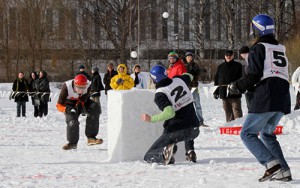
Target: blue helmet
(158, 73)
(262, 25)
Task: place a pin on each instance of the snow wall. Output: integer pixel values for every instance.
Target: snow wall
(129, 138)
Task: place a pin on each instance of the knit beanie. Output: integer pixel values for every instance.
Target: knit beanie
(173, 55)
(95, 69)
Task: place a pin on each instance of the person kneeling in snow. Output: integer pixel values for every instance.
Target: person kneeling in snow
(175, 99)
(74, 99)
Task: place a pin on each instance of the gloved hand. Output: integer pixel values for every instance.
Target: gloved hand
(216, 93)
(119, 81)
(232, 89)
(71, 110)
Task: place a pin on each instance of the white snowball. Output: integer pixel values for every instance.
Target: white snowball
(154, 165)
(165, 15)
(202, 180)
(212, 162)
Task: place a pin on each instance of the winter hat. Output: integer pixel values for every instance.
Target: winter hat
(229, 52)
(173, 55)
(244, 50)
(95, 69)
(189, 54)
(81, 66)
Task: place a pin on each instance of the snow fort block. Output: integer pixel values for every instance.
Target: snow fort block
(129, 138)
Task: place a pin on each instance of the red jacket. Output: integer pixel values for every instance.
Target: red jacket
(176, 69)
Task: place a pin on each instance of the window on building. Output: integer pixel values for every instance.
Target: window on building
(12, 23)
(153, 20)
(186, 17)
(61, 24)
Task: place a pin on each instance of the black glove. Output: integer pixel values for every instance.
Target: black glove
(232, 89)
(119, 81)
(216, 93)
(71, 110)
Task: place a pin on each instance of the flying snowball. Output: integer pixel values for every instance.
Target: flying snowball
(133, 54)
(165, 15)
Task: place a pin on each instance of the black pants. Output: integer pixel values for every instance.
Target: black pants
(297, 106)
(92, 111)
(43, 109)
(21, 105)
(155, 153)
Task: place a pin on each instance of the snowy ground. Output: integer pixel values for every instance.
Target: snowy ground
(31, 154)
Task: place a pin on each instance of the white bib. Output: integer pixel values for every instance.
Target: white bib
(178, 93)
(276, 62)
(71, 93)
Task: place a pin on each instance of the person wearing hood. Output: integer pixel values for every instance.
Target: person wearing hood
(122, 81)
(20, 88)
(43, 89)
(227, 73)
(32, 89)
(96, 86)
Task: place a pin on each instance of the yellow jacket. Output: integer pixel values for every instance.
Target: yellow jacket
(128, 82)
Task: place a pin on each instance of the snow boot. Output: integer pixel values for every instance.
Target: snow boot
(191, 156)
(69, 146)
(168, 153)
(203, 125)
(283, 175)
(273, 168)
(94, 141)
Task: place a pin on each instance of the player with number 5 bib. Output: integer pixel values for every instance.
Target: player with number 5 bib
(268, 73)
(174, 98)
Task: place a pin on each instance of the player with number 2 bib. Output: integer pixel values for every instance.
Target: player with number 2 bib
(174, 98)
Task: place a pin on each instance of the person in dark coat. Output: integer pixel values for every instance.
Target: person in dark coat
(32, 89)
(268, 73)
(20, 88)
(229, 72)
(82, 71)
(96, 86)
(111, 72)
(43, 89)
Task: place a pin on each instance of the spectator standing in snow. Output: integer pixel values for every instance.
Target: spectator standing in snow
(138, 77)
(20, 88)
(268, 73)
(74, 99)
(82, 71)
(122, 81)
(194, 69)
(43, 88)
(176, 66)
(32, 89)
(96, 86)
(108, 76)
(295, 83)
(229, 72)
(244, 53)
(178, 114)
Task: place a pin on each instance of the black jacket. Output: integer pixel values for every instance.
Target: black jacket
(227, 73)
(271, 94)
(107, 77)
(42, 85)
(185, 117)
(21, 87)
(96, 85)
(195, 70)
